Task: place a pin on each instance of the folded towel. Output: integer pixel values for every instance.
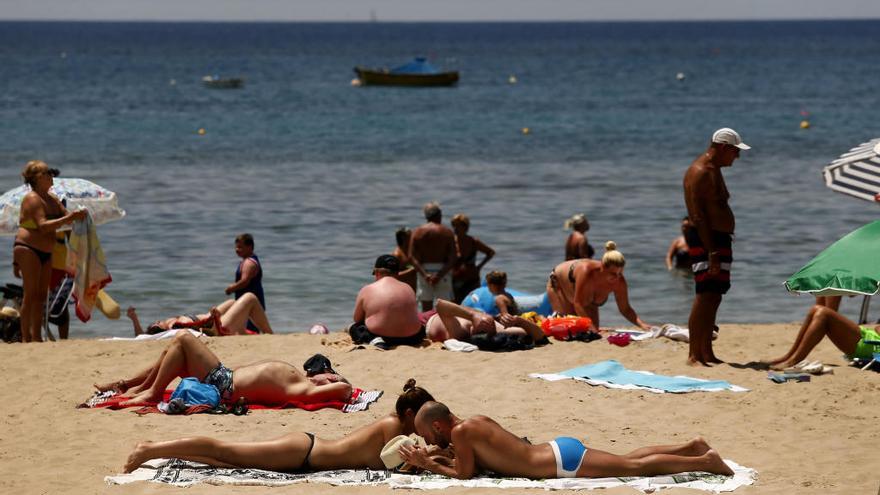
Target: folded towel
(612, 374)
(811, 367)
(668, 330)
(459, 346)
(86, 263)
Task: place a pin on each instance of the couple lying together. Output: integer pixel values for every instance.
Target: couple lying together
(460, 449)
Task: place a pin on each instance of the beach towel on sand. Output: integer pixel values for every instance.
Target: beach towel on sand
(167, 334)
(612, 374)
(87, 266)
(360, 401)
(186, 473)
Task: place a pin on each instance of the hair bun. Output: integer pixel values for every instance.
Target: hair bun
(409, 385)
(610, 246)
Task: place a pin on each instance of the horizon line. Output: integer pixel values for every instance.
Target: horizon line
(441, 21)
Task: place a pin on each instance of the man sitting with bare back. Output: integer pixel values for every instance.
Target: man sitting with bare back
(264, 382)
(432, 253)
(385, 312)
(480, 443)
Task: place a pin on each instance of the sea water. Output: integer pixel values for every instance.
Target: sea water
(322, 173)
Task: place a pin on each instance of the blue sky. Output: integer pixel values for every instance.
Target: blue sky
(435, 10)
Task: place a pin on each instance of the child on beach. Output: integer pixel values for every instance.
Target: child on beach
(496, 281)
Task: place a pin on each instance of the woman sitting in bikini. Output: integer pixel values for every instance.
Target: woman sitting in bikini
(581, 286)
(229, 318)
(852, 339)
(298, 451)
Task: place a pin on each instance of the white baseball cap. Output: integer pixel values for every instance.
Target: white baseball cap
(726, 135)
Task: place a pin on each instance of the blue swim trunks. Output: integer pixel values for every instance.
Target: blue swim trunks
(569, 453)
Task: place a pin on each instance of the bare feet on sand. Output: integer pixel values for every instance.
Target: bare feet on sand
(698, 446)
(145, 398)
(695, 362)
(115, 386)
(715, 464)
(138, 456)
(781, 366)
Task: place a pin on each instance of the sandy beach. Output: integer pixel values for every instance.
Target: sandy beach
(807, 438)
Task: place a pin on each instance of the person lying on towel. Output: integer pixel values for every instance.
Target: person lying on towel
(263, 382)
(479, 443)
(296, 451)
(229, 318)
(822, 321)
(454, 321)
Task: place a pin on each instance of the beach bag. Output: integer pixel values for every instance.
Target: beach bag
(566, 327)
(192, 392)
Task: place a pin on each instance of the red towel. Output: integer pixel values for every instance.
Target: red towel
(359, 401)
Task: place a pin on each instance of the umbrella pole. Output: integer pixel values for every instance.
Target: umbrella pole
(863, 314)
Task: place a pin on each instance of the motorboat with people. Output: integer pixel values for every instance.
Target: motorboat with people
(418, 72)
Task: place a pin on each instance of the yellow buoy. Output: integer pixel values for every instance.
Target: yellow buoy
(526, 130)
(805, 124)
(202, 131)
(511, 79)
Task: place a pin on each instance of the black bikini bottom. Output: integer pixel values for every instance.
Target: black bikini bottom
(43, 256)
(306, 466)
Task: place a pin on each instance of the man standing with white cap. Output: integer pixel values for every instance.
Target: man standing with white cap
(710, 238)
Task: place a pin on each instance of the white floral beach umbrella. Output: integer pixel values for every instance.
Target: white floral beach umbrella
(856, 172)
(100, 202)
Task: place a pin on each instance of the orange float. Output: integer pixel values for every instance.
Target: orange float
(563, 327)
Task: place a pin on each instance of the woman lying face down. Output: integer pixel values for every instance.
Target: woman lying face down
(300, 451)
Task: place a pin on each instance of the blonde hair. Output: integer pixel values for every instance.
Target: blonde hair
(32, 169)
(576, 220)
(612, 256)
(461, 219)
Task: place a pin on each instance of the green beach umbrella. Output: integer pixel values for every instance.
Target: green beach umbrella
(848, 267)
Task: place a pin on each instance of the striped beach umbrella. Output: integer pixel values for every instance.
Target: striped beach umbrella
(857, 172)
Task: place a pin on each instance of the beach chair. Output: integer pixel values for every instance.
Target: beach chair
(876, 357)
(56, 304)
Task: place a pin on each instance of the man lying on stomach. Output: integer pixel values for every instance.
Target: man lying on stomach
(480, 443)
